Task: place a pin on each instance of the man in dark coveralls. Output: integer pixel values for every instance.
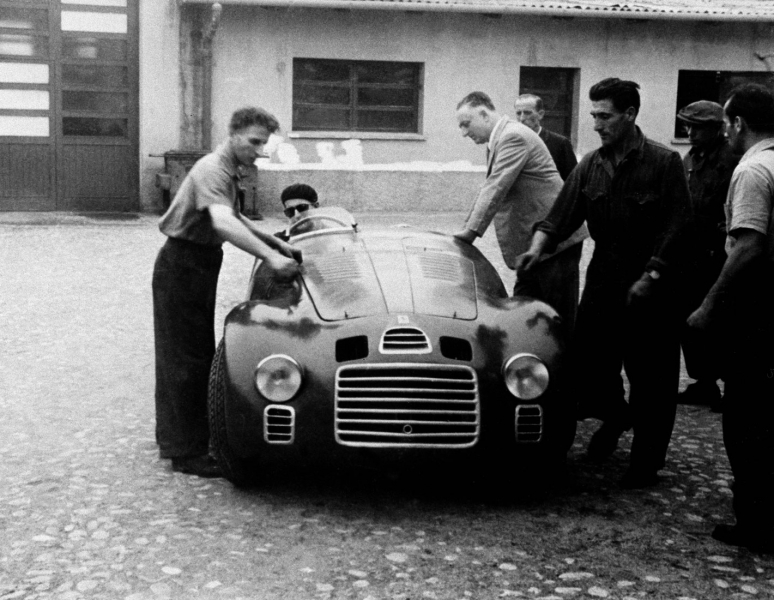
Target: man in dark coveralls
(204, 214)
(738, 314)
(529, 111)
(634, 196)
(709, 165)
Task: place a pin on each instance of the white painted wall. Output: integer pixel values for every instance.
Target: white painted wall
(159, 92)
(254, 50)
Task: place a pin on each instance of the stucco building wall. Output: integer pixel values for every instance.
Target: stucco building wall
(159, 92)
(254, 50)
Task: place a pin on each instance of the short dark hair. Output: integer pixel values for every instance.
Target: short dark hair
(754, 103)
(251, 115)
(299, 191)
(477, 99)
(532, 97)
(622, 94)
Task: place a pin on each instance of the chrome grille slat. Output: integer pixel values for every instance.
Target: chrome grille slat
(279, 424)
(406, 390)
(375, 406)
(529, 423)
(397, 400)
(404, 340)
(405, 411)
(449, 434)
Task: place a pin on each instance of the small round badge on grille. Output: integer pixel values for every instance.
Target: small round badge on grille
(408, 429)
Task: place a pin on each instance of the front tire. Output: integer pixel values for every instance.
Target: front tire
(237, 470)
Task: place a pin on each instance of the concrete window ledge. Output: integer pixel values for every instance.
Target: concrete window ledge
(356, 135)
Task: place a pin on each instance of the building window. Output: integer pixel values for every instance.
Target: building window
(356, 95)
(558, 89)
(711, 85)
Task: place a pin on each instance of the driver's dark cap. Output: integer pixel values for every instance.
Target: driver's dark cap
(299, 191)
(703, 112)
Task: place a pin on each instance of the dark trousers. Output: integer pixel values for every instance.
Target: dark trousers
(745, 339)
(701, 357)
(556, 281)
(748, 434)
(185, 279)
(644, 340)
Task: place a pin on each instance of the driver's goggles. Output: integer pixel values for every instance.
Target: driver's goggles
(291, 210)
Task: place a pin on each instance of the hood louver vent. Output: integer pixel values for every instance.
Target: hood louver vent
(404, 340)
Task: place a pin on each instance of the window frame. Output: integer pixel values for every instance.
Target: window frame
(353, 108)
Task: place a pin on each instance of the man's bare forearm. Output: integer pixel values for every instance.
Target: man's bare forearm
(748, 247)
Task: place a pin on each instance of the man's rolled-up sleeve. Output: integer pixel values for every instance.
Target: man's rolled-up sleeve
(213, 186)
(752, 194)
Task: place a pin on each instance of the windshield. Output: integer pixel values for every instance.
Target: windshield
(322, 219)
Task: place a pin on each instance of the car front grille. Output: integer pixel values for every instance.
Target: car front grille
(529, 423)
(407, 405)
(279, 424)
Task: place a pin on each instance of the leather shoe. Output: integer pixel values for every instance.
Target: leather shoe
(637, 479)
(202, 466)
(604, 442)
(733, 535)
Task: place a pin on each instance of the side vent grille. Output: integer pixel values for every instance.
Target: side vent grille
(279, 424)
(529, 423)
(405, 340)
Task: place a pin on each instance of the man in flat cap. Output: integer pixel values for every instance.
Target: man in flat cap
(708, 165)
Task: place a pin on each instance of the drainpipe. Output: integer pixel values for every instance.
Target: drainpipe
(195, 97)
(209, 34)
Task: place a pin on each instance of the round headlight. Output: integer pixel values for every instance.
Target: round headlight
(278, 377)
(526, 376)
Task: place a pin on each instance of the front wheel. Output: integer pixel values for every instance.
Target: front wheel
(237, 470)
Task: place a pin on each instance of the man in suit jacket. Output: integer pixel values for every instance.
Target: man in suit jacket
(521, 185)
(529, 111)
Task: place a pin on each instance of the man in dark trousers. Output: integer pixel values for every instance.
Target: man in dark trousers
(709, 165)
(204, 214)
(530, 111)
(737, 316)
(521, 185)
(634, 196)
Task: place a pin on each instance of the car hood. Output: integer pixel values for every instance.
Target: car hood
(390, 275)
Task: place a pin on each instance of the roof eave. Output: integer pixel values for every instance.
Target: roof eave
(593, 13)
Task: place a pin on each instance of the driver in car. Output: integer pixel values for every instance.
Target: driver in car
(297, 200)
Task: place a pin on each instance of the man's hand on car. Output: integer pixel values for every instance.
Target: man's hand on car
(283, 267)
(524, 263)
(290, 251)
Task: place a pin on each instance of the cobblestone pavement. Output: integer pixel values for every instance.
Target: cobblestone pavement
(87, 510)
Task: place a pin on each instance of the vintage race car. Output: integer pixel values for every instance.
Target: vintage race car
(396, 345)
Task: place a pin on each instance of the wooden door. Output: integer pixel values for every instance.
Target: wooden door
(69, 105)
(27, 154)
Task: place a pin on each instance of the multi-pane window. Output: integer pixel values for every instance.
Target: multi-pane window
(95, 77)
(711, 85)
(25, 70)
(556, 87)
(348, 95)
